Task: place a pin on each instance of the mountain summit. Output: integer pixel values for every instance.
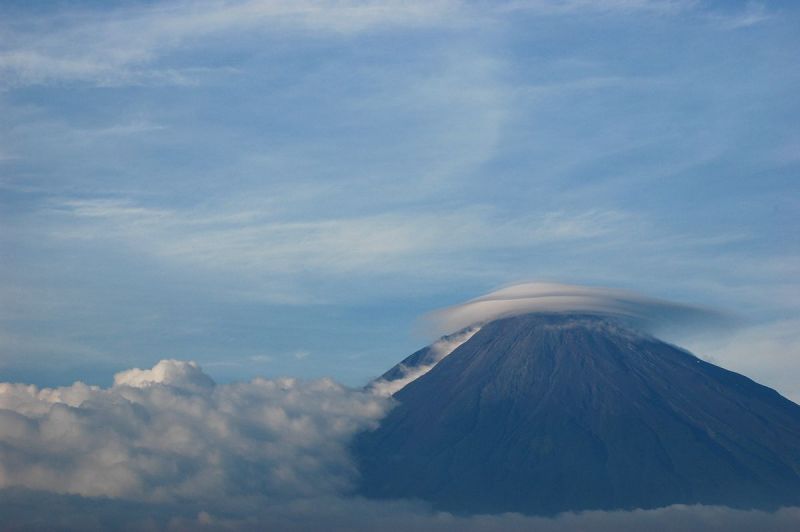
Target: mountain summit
(550, 412)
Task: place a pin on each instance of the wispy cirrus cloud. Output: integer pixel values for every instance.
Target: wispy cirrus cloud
(123, 46)
(256, 153)
(751, 14)
(252, 241)
(572, 6)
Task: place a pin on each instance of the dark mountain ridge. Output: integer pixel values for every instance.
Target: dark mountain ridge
(545, 413)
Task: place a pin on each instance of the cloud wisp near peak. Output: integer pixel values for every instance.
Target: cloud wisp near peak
(646, 312)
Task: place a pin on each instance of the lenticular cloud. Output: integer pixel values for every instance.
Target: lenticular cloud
(170, 433)
(645, 312)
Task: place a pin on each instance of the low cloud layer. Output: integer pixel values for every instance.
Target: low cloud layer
(166, 448)
(171, 433)
(645, 312)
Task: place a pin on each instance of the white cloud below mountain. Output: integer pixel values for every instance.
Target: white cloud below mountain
(166, 448)
(171, 433)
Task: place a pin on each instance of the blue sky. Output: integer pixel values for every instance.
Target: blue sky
(283, 188)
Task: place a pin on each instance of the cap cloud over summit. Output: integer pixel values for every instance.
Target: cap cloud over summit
(646, 312)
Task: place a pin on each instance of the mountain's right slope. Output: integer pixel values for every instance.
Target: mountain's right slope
(545, 413)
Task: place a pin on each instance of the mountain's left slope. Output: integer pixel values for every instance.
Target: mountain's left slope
(544, 413)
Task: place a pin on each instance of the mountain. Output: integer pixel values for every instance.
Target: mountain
(548, 412)
(419, 363)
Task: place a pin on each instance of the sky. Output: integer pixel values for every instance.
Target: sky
(222, 218)
(284, 188)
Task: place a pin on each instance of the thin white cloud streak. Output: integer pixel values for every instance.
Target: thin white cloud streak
(371, 244)
(438, 351)
(752, 14)
(448, 107)
(558, 7)
(55, 350)
(525, 298)
(460, 114)
(123, 46)
(119, 47)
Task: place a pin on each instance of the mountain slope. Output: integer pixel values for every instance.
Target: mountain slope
(546, 413)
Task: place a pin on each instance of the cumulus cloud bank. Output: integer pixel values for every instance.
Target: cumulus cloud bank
(645, 312)
(170, 432)
(167, 448)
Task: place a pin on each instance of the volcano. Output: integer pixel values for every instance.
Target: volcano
(550, 412)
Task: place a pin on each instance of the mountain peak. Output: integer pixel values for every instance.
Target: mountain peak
(420, 362)
(548, 412)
